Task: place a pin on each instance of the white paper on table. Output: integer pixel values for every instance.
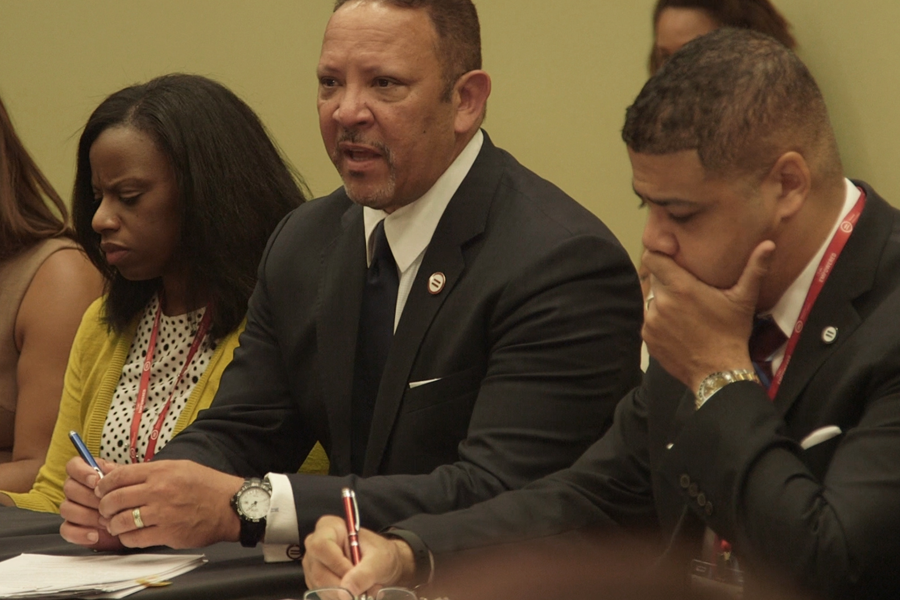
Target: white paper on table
(103, 575)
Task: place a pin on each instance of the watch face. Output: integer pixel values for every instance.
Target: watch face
(254, 503)
(720, 381)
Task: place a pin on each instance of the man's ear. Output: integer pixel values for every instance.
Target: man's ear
(470, 93)
(790, 181)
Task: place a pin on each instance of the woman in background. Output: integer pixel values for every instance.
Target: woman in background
(177, 190)
(676, 22)
(46, 283)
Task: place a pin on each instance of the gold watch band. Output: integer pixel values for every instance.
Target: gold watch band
(716, 381)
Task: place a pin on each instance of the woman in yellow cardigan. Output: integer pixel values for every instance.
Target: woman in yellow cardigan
(95, 367)
(177, 189)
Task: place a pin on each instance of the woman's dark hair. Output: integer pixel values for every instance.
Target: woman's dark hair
(25, 217)
(233, 189)
(756, 15)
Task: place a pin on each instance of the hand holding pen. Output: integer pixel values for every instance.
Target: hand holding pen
(336, 546)
(84, 452)
(80, 509)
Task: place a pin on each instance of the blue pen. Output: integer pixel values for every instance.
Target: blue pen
(84, 452)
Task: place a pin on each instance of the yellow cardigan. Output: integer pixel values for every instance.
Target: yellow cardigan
(95, 366)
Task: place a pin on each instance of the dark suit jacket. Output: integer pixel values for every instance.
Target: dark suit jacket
(533, 339)
(826, 518)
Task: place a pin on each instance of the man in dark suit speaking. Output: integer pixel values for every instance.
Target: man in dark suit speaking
(448, 324)
(757, 453)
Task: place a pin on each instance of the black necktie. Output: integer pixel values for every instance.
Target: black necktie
(376, 329)
(766, 338)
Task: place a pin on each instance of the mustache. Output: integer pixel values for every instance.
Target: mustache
(355, 137)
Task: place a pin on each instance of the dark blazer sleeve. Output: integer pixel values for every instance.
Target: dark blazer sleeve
(608, 488)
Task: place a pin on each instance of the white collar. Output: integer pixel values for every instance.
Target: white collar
(409, 229)
(787, 309)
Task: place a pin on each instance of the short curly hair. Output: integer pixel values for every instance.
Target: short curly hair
(740, 99)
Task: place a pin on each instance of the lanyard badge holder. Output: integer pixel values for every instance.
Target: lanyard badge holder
(722, 578)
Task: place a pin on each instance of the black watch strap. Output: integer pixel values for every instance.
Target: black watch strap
(421, 554)
(252, 532)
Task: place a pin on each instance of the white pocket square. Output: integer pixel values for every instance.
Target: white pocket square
(823, 434)
(415, 384)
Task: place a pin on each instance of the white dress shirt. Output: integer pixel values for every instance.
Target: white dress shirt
(409, 231)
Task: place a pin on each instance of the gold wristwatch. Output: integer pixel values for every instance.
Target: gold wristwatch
(715, 382)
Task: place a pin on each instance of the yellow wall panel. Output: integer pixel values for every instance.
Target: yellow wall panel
(563, 70)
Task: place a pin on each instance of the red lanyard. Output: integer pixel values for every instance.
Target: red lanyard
(835, 247)
(145, 385)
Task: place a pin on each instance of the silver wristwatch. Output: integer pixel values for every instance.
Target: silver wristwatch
(251, 503)
(715, 382)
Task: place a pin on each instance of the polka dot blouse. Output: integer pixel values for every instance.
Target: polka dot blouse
(173, 343)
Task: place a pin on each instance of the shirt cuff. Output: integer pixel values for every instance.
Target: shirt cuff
(281, 521)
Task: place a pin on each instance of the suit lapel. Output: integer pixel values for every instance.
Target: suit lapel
(463, 220)
(338, 306)
(853, 275)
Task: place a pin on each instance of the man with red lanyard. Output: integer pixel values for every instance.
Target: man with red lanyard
(763, 460)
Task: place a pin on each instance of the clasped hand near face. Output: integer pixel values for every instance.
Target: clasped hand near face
(385, 562)
(181, 505)
(693, 329)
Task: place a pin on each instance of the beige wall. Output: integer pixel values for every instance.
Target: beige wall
(563, 70)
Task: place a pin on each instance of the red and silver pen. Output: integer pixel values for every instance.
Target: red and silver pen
(351, 511)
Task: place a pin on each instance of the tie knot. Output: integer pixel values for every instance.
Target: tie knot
(766, 338)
